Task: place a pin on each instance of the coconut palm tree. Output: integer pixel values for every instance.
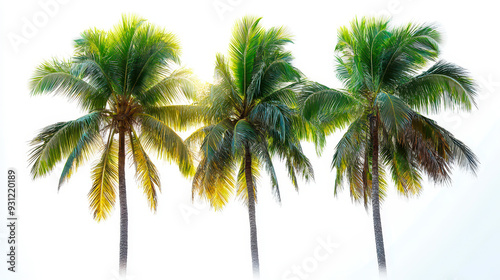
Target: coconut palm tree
(387, 80)
(250, 115)
(126, 82)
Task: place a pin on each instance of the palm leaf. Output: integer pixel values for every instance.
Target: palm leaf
(444, 85)
(59, 140)
(158, 136)
(102, 196)
(146, 171)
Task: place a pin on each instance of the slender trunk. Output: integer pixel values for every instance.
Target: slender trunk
(251, 213)
(123, 205)
(377, 222)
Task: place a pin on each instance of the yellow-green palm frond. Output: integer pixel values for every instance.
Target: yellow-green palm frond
(214, 182)
(175, 86)
(241, 187)
(163, 140)
(178, 117)
(146, 172)
(102, 196)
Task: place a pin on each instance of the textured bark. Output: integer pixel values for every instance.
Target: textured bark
(123, 205)
(251, 213)
(377, 222)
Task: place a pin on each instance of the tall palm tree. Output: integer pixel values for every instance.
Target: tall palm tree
(250, 115)
(386, 83)
(125, 80)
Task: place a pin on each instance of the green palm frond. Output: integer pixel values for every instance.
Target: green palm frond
(328, 107)
(443, 86)
(242, 51)
(86, 146)
(196, 138)
(406, 51)
(263, 157)
(395, 114)
(225, 83)
(349, 150)
(272, 116)
(59, 140)
(62, 77)
(216, 137)
(244, 134)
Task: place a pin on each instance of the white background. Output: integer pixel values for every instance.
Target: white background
(449, 232)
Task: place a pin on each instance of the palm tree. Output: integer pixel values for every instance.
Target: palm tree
(250, 115)
(385, 85)
(125, 81)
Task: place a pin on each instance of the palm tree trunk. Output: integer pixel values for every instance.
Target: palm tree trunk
(123, 205)
(377, 222)
(251, 213)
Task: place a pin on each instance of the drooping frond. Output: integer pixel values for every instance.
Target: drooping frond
(102, 195)
(328, 108)
(436, 149)
(403, 167)
(443, 86)
(90, 141)
(241, 188)
(394, 114)
(244, 134)
(349, 152)
(59, 140)
(262, 156)
(163, 140)
(214, 178)
(146, 172)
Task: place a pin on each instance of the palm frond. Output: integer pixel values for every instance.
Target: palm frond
(444, 85)
(146, 172)
(178, 117)
(59, 140)
(241, 186)
(166, 143)
(178, 86)
(61, 77)
(102, 195)
(327, 107)
(393, 112)
(244, 134)
(214, 178)
(90, 141)
(242, 50)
